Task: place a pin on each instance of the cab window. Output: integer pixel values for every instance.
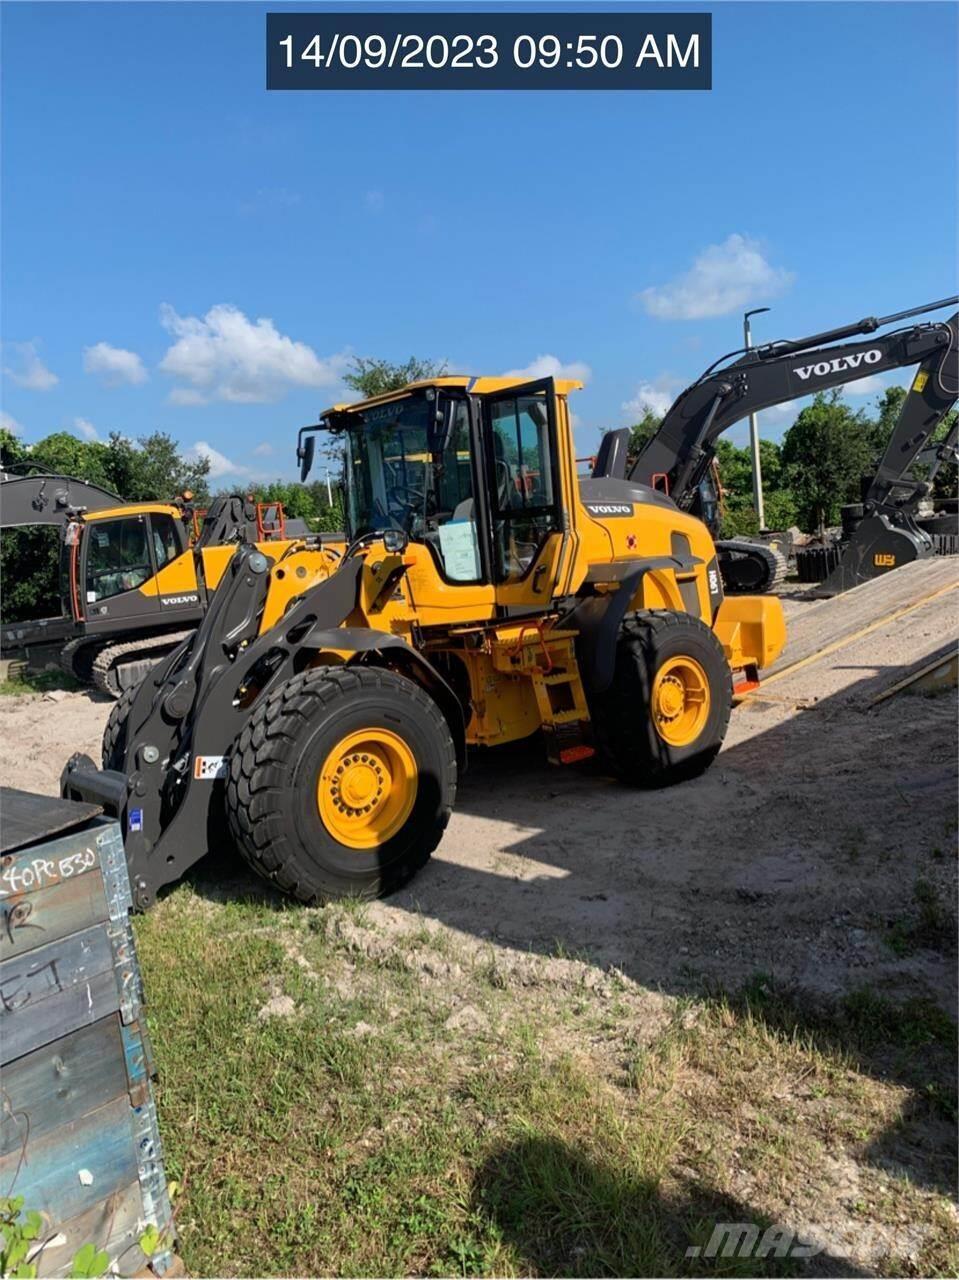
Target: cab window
(166, 544)
(409, 465)
(523, 500)
(118, 557)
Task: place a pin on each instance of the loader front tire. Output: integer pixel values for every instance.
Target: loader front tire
(114, 745)
(665, 715)
(341, 784)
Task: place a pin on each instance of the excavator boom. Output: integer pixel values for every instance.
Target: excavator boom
(45, 498)
(678, 456)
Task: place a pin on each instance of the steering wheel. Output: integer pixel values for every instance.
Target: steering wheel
(404, 498)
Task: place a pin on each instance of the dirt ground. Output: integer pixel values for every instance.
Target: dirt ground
(790, 856)
(826, 825)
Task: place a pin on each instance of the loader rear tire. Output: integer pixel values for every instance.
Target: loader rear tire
(113, 749)
(665, 715)
(342, 784)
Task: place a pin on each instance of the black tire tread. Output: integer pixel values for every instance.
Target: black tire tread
(114, 735)
(254, 784)
(622, 721)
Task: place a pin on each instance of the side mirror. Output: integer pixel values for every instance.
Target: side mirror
(441, 430)
(304, 455)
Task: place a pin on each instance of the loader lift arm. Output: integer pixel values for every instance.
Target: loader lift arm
(683, 447)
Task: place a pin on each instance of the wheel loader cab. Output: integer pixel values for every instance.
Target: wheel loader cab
(475, 474)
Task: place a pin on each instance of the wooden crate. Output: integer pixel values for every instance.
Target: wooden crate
(78, 1128)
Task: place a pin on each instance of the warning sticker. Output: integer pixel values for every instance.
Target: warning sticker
(136, 820)
(207, 768)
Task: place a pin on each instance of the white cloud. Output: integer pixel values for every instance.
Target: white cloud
(374, 201)
(85, 429)
(656, 396)
(220, 464)
(226, 356)
(30, 371)
(9, 423)
(186, 396)
(551, 367)
(871, 385)
(263, 450)
(114, 366)
(724, 277)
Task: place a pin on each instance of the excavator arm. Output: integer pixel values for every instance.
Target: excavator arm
(678, 455)
(42, 498)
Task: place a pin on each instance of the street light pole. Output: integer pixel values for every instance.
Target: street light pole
(754, 433)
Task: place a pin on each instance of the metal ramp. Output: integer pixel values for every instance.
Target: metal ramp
(831, 624)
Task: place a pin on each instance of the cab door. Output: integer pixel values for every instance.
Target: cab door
(524, 483)
(115, 564)
(175, 584)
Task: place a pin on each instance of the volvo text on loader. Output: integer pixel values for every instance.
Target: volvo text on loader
(320, 715)
(677, 458)
(134, 577)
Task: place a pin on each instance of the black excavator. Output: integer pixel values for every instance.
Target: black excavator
(677, 459)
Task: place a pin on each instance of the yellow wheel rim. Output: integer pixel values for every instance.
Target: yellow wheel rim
(680, 701)
(367, 788)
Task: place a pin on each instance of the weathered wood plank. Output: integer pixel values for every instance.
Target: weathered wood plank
(115, 1224)
(48, 992)
(30, 920)
(28, 818)
(57, 1083)
(29, 870)
(68, 1170)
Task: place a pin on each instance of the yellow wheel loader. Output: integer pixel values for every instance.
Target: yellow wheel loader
(321, 713)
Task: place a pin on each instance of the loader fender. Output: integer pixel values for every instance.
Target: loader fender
(380, 649)
(598, 618)
(752, 631)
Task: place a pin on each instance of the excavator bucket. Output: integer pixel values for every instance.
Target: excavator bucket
(878, 546)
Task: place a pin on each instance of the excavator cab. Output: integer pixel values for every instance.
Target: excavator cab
(115, 562)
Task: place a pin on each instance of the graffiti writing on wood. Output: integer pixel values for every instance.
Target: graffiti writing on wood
(16, 915)
(21, 877)
(19, 989)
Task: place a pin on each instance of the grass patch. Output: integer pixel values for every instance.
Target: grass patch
(368, 1133)
(39, 682)
(931, 925)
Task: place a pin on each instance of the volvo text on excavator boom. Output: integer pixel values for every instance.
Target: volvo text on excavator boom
(678, 456)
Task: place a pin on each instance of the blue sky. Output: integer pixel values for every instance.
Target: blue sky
(183, 250)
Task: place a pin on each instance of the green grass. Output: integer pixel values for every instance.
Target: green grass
(38, 682)
(929, 925)
(556, 1137)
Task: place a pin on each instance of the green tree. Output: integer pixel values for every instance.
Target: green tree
(372, 377)
(153, 469)
(824, 454)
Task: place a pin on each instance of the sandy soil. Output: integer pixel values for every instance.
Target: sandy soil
(793, 855)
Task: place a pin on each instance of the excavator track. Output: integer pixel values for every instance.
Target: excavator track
(751, 567)
(118, 667)
(77, 657)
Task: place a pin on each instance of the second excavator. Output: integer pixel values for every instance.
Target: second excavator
(677, 459)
